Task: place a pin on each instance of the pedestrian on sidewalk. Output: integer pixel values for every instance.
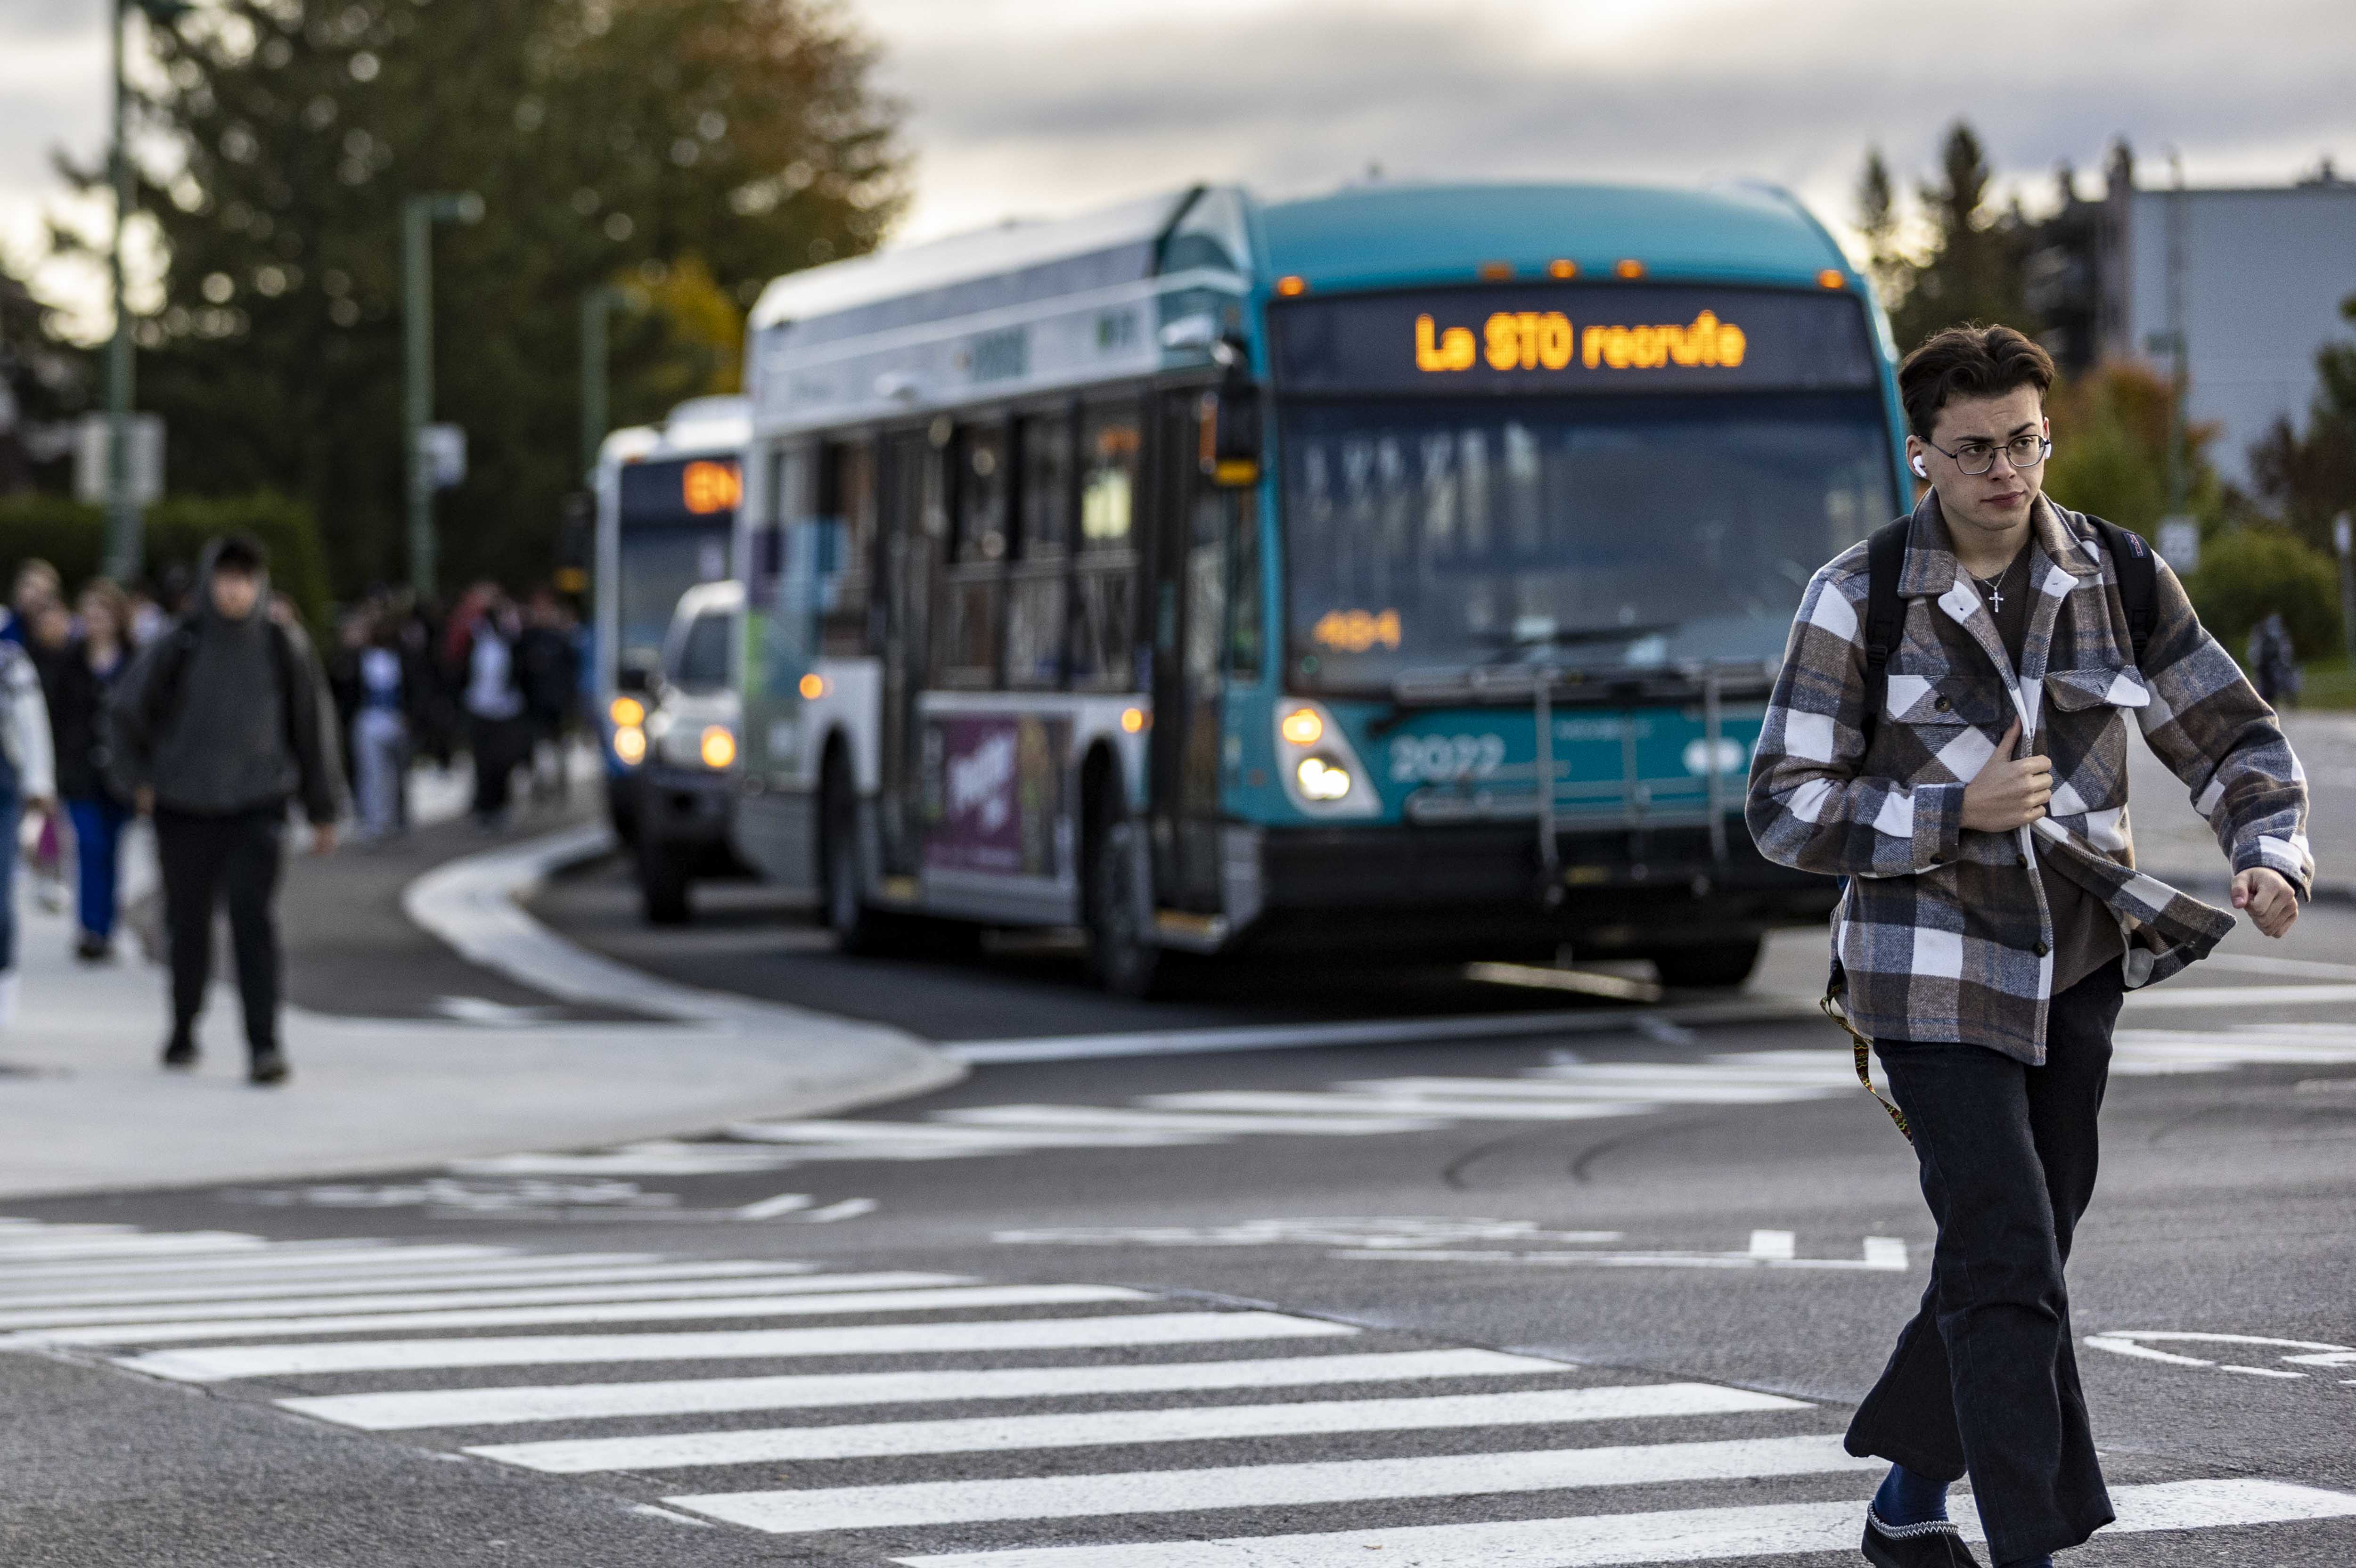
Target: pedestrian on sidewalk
(36, 584)
(1954, 745)
(551, 691)
(27, 786)
(2274, 664)
(379, 733)
(48, 641)
(497, 732)
(79, 688)
(214, 729)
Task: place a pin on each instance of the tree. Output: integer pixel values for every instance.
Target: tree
(2308, 477)
(43, 378)
(645, 142)
(1973, 268)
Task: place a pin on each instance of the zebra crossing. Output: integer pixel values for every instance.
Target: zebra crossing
(940, 1421)
(1566, 1091)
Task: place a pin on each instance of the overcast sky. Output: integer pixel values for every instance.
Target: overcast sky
(1039, 107)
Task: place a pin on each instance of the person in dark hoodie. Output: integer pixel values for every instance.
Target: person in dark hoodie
(219, 724)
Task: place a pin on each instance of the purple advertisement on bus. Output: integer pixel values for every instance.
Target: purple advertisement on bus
(995, 793)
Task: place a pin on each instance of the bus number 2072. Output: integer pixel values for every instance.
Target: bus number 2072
(1444, 759)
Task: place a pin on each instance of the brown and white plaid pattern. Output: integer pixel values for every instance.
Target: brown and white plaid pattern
(1943, 935)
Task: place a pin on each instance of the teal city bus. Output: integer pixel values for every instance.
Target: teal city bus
(1400, 571)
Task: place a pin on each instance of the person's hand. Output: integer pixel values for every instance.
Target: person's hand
(143, 801)
(323, 839)
(2267, 895)
(2010, 792)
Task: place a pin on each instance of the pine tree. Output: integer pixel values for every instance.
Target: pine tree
(612, 141)
(2307, 477)
(1973, 269)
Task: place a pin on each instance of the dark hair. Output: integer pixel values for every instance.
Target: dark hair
(1968, 361)
(240, 552)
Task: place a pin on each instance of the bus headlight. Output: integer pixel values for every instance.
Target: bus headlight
(718, 747)
(630, 744)
(1321, 779)
(628, 712)
(1320, 771)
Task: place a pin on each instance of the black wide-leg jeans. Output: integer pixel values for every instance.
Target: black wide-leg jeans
(1984, 1381)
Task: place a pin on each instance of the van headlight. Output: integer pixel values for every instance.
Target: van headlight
(718, 748)
(1322, 773)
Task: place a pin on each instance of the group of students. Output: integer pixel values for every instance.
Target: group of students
(213, 714)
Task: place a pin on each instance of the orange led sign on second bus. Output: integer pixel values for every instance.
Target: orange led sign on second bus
(707, 488)
(1545, 340)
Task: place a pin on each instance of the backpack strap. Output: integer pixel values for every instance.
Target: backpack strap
(1885, 616)
(2138, 574)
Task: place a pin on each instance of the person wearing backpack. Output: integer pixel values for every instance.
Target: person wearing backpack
(1949, 732)
(217, 724)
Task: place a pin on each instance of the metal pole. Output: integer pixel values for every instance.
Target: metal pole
(2178, 478)
(417, 403)
(122, 544)
(594, 303)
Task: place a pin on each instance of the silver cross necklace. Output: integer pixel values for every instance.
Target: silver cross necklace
(1994, 586)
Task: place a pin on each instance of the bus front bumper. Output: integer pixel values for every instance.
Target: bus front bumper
(1477, 888)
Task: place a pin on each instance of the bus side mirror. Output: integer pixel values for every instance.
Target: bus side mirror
(1229, 429)
(633, 678)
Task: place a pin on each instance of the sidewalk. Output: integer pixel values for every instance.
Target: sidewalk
(2174, 845)
(615, 1056)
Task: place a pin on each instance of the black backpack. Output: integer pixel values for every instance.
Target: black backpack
(1885, 612)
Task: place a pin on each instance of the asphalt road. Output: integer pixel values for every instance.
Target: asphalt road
(1638, 1275)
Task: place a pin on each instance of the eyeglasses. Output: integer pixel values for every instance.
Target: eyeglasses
(1977, 457)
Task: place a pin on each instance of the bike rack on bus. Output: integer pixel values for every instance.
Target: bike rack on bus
(1546, 683)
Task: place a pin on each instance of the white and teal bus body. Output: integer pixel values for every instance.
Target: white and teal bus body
(1214, 575)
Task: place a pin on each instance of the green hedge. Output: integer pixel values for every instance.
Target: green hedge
(2248, 572)
(72, 538)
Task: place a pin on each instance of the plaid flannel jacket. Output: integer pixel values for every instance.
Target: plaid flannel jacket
(1943, 933)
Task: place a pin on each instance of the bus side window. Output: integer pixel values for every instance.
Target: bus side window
(846, 506)
(1035, 593)
(965, 642)
(1104, 618)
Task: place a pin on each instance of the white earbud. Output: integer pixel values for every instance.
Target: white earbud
(1920, 472)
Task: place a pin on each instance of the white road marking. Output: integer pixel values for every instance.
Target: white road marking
(223, 1362)
(2163, 997)
(1468, 1110)
(849, 1209)
(2137, 1344)
(1118, 1427)
(1374, 1230)
(1269, 1486)
(1684, 1535)
(937, 1299)
(1880, 1255)
(927, 1134)
(770, 1208)
(331, 1259)
(16, 1249)
(407, 1410)
(1696, 1089)
(1184, 1121)
(683, 1282)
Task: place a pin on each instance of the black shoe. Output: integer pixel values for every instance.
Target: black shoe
(1934, 1544)
(94, 949)
(269, 1066)
(180, 1051)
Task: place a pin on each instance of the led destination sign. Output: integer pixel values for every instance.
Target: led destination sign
(1573, 337)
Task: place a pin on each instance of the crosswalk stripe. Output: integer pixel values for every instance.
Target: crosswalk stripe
(341, 1258)
(15, 1250)
(1668, 1091)
(1465, 1110)
(407, 1410)
(950, 1134)
(16, 1309)
(223, 1362)
(934, 1299)
(1115, 1427)
(1183, 1121)
(1269, 1486)
(682, 1282)
(1683, 1535)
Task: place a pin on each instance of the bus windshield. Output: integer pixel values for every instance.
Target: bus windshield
(657, 565)
(1432, 534)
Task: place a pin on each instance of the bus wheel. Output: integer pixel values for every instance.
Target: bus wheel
(662, 883)
(858, 929)
(1120, 957)
(1719, 964)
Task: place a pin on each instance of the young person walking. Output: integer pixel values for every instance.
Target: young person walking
(218, 725)
(1961, 757)
(27, 783)
(79, 687)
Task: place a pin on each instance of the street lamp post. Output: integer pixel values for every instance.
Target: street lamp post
(122, 543)
(418, 216)
(597, 306)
